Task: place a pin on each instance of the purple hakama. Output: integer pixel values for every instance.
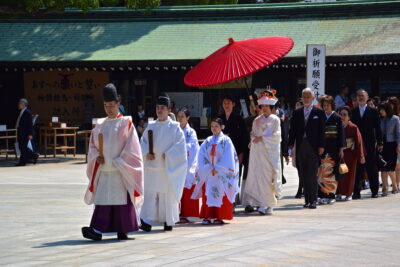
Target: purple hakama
(115, 218)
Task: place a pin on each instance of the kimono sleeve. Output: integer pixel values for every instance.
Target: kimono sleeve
(92, 167)
(144, 142)
(229, 161)
(275, 137)
(130, 165)
(204, 168)
(93, 153)
(176, 163)
(192, 149)
(228, 170)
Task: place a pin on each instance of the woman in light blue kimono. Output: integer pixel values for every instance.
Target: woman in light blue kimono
(189, 207)
(217, 176)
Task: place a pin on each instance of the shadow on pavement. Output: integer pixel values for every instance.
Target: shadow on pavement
(79, 242)
(11, 162)
(290, 207)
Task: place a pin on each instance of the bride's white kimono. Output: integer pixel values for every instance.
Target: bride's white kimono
(264, 179)
(219, 153)
(164, 178)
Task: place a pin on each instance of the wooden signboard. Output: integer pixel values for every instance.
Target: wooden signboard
(75, 97)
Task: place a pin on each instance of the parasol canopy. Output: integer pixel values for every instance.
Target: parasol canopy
(238, 59)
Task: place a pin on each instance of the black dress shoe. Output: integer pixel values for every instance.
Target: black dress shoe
(167, 227)
(35, 158)
(313, 205)
(145, 226)
(20, 164)
(307, 205)
(374, 196)
(298, 195)
(356, 196)
(248, 209)
(122, 236)
(89, 233)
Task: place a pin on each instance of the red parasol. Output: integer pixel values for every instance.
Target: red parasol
(238, 59)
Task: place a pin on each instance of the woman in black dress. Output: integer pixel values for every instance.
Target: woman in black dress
(390, 126)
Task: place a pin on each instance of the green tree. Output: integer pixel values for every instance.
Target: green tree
(37, 7)
(197, 2)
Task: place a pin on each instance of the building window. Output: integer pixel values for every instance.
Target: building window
(389, 88)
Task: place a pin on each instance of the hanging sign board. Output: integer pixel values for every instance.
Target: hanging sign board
(72, 97)
(316, 69)
(193, 101)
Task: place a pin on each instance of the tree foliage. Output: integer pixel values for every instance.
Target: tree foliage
(37, 7)
(197, 2)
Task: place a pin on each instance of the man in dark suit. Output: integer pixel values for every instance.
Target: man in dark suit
(368, 122)
(138, 115)
(25, 133)
(307, 130)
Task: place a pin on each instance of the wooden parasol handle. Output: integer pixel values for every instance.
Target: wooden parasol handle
(151, 146)
(101, 147)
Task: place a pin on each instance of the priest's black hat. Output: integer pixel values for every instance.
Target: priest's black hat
(164, 100)
(110, 93)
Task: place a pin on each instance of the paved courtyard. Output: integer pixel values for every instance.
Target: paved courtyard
(42, 211)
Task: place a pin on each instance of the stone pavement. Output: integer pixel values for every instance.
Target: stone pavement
(42, 211)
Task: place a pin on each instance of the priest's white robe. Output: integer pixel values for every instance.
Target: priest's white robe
(224, 160)
(264, 179)
(122, 171)
(164, 178)
(192, 146)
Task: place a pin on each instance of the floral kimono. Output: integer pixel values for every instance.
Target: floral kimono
(220, 190)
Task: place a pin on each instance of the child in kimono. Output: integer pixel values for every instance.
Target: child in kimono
(217, 175)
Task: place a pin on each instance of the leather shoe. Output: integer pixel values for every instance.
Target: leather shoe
(356, 196)
(20, 164)
(122, 236)
(89, 233)
(167, 227)
(248, 209)
(313, 205)
(145, 226)
(374, 196)
(298, 195)
(307, 205)
(35, 158)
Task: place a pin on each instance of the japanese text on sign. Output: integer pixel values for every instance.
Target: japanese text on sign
(316, 69)
(75, 97)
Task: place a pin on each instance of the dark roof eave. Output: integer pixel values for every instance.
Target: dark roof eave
(152, 63)
(262, 11)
